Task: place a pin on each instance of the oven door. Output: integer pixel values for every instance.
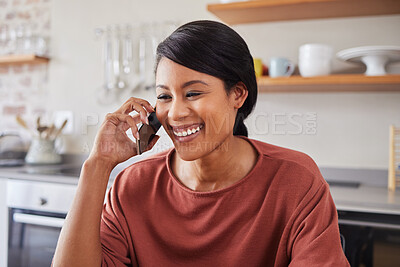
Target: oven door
(36, 214)
(33, 237)
(371, 239)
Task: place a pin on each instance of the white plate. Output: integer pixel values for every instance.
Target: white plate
(374, 57)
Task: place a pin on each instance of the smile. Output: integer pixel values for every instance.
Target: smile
(187, 131)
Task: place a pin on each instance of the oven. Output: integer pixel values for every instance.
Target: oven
(32, 237)
(36, 214)
(371, 239)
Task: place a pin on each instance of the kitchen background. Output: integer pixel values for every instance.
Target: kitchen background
(349, 129)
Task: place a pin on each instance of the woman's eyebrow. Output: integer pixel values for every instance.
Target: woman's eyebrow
(162, 86)
(186, 84)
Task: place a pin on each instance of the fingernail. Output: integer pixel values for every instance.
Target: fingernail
(147, 120)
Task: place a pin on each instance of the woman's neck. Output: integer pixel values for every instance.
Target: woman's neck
(225, 165)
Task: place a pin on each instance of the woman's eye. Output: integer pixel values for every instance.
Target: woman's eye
(192, 94)
(163, 97)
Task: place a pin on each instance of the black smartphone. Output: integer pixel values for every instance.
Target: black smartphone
(147, 133)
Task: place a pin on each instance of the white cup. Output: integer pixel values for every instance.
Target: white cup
(280, 67)
(315, 60)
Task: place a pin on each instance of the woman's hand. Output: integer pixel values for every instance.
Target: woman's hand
(112, 144)
(79, 242)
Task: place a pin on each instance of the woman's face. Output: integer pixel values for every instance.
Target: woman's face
(195, 109)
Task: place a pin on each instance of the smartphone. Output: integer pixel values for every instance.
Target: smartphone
(147, 133)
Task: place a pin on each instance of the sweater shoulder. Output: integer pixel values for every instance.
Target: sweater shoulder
(294, 174)
(287, 156)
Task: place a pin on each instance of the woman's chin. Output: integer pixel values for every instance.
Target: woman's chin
(188, 154)
(197, 150)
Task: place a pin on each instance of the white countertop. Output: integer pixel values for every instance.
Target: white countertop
(371, 199)
(35, 172)
(30, 173)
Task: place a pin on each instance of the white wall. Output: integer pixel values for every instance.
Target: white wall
(352, 128)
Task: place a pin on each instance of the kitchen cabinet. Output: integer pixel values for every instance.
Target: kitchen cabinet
(6, 60)
(283, 10)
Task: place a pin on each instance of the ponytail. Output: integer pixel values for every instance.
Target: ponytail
(240, 128)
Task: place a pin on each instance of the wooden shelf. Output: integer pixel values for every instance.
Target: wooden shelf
(331, 83)
(283, 10)
(22, 59)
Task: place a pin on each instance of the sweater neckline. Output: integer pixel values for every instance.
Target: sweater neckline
(186, 189)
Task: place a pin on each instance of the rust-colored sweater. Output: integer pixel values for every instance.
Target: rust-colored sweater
(280, 214)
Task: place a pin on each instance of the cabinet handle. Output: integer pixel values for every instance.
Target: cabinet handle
(38, 220)
(370, 224)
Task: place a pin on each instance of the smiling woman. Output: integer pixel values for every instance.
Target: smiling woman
(217, 198)
(195, 109)
(219, 52)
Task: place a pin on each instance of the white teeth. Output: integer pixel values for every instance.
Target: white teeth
(188, 132)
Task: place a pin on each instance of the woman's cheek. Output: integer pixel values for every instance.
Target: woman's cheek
(161, 110)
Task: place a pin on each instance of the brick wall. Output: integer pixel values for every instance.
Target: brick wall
(23, 88)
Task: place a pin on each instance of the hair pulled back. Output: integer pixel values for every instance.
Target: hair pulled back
(215, 49)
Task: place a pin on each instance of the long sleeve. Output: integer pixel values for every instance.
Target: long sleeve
(314, 237)
(114, 233)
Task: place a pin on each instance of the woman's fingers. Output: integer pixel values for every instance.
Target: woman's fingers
(149, 108)
(139, 105)
(132, 124)
(127, 122)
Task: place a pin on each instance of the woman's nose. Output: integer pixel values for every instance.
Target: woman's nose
(178, 111)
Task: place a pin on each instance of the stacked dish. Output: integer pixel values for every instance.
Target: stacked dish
(374, 57)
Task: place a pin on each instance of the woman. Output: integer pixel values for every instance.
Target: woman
(217, 198)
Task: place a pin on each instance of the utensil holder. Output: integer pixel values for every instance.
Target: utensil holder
(42, 151)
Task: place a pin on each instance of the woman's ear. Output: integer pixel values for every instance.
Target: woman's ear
(239, 94)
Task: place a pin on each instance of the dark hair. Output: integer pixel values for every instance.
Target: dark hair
(215, 49)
